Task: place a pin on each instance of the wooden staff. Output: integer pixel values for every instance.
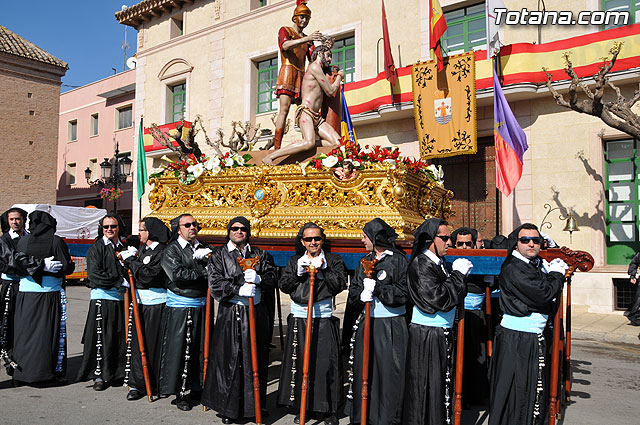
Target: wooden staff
(247, 264)
(369, 270)
(307, 345)
(459, 364)
(207, 331)
(555, 364)
(567, 359)
(487, 307)
(138, 323)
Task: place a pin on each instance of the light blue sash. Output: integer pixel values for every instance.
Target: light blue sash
(9, 277)
(381, 311)
(178, 301)
(473, 301)
(321, 309)
(533, 323)
(245, 300)
(49, 284)
(107, 294)
(439, 319)
(152, 296)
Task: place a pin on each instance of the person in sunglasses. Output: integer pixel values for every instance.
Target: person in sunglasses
(151, 288)
(325, 391)
(184, 261)
(228, 388)
(388, 293)
(475, 373)
(529, 287)
(435, 293)
(103, 357)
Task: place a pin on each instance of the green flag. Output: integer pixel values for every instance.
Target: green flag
(141, 174)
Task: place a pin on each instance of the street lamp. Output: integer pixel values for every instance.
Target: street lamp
(113, 174)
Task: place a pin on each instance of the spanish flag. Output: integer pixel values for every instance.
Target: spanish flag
(346, 127)
(438, 27)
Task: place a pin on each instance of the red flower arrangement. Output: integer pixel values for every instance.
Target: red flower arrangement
(112, 194)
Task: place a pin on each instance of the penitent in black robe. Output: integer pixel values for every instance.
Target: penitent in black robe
(524, 289)
(8, 290)
(633, 313)
(40, 345)
(187, 277)
(228, 388)
(388, 344)
(430, 352)
(147, 273)
(325, 391)
(104, 271)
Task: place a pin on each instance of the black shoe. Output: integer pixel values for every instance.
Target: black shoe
(99, 386)
(296, 420)
(331, 420)
(265, 413)
(134, 395)
(183, 404)
(226, 420)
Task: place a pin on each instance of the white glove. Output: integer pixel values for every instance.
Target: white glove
(369, 284)
(550, 242)
(129, 252)
(247, 290)
(201, 253)
(462, 265)
(558, 265)
(125, 284)
(545, 264)
(318, 262)
(51, 265)
(366, 295)
(303, 263)
(250, 276)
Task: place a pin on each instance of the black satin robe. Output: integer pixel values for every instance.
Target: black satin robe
(228, 388)
(325, 391)
(37, 322)
(388, 344)
(145, 276)
(524, 289)
(8, 265)
(430, 352)
(104, 271)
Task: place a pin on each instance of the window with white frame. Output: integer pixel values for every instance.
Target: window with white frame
(466, 30)
(177, 26)
(71, 173)
(343, 55)
(632, 7)
(177, 101)
(93, 126)
(265, 87)
(72, 131)
(124, 117)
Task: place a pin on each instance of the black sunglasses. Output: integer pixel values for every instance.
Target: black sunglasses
(187, 225)
(444, 238)
(239, 229)
(312, 238)
(526, 239)
(467, 243)
(109, 226)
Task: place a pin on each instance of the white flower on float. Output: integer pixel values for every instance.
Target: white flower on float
(228, 162)
(216, 169)
(198, 169)
(239, 160)
(212, 163)
(330, 161)
(391, 162)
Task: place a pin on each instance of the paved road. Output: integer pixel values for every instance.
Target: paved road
(606, 390)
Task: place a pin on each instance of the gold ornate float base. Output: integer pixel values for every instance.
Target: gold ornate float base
(278, 200)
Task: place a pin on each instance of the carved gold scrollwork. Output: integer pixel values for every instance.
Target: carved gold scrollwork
(261, 195)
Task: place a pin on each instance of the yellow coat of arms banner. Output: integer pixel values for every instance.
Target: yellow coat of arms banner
(444, 106)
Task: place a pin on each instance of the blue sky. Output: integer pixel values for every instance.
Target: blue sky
(83, 33)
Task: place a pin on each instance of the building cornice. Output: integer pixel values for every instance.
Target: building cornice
(148, 10)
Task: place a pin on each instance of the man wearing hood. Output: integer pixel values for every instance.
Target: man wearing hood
(39, 328)
(475, 388)
(435, 293)
(151, 290)
(324, 395)
(229, 386)
(184, 262)
(13, 221)
(529, 287)
(387, 292)
(104, 333)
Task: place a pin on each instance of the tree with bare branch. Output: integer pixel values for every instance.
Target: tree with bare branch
(616, 113)
(244, 137)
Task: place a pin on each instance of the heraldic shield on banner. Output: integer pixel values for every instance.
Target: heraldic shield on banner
(444, 105)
